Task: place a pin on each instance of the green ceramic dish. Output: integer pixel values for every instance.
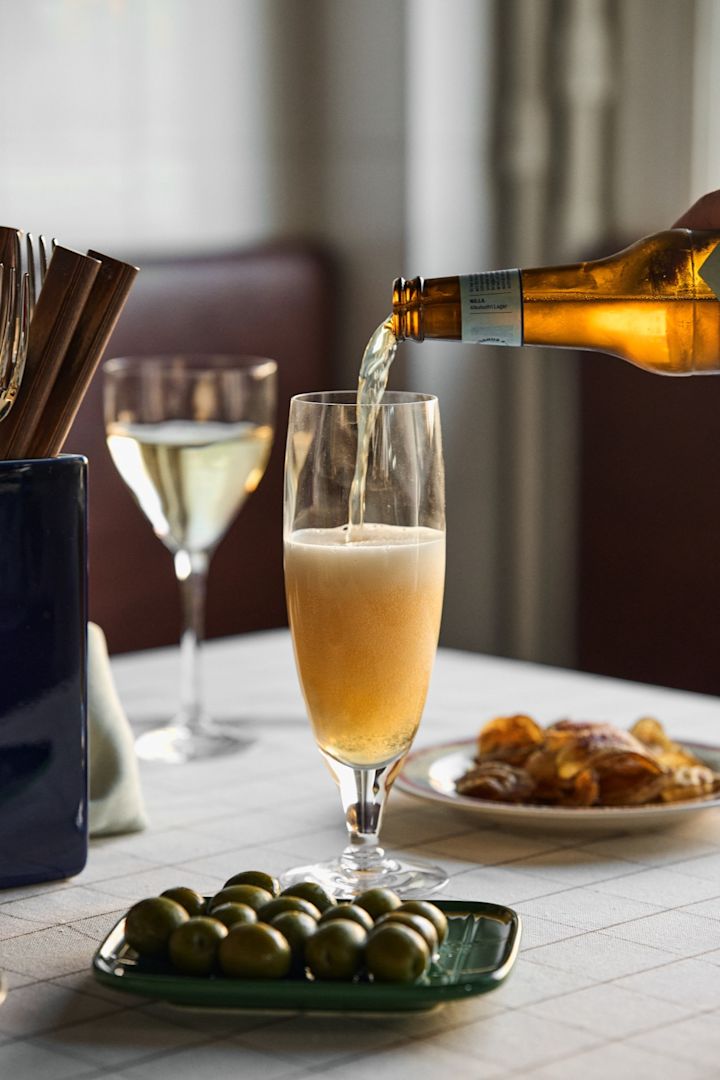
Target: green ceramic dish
(478, 955)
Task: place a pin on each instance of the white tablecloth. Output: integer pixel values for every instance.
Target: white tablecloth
(619, 972)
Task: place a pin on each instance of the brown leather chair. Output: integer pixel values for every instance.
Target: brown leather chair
(274, 301)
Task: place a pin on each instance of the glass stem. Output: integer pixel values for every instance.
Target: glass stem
(363, 793)
(191, 571)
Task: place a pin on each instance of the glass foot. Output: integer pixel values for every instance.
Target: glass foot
(175, 744)
(408, 877)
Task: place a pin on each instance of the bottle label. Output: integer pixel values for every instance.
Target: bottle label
(491, 308)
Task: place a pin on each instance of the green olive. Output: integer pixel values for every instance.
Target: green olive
(424, 927)
(234, 914)
(351, 912)
(287, 903)
(378, 901)
(254, 951)
(310, 890)
(335, 950)
(252, 895)
(296, 927)
(428, 911)
(149, 924)
(395, 953)
(256, 877)
(193, 947)
(192, 901)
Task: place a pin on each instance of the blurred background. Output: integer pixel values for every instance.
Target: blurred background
(363, 141)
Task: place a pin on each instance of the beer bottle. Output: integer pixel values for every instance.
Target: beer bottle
(655, 304)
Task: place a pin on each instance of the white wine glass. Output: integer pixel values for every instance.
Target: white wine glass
(190, 435)
(364, 605)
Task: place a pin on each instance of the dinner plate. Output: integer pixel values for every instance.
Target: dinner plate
(477, 956)
(431, 772)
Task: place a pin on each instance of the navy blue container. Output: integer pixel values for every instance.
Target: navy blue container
(43, 682)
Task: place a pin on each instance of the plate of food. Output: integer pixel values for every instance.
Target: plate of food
(569, 774)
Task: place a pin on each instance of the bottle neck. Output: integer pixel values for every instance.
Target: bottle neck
(481, 309)
(426, 307)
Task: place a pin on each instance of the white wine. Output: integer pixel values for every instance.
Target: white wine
(365, 617)
(190, 477)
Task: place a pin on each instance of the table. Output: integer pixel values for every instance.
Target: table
(619, 973)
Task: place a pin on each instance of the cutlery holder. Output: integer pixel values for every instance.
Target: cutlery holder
(43, 691)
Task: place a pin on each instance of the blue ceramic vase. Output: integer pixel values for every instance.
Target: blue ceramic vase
(43, 692)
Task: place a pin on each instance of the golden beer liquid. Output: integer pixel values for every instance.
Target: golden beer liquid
(365, 617)
(649, 305)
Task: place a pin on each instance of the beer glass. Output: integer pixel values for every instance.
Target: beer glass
(364, 604)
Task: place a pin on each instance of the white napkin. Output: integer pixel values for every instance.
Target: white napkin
(116, 802)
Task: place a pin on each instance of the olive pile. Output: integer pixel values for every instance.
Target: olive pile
(251, 930)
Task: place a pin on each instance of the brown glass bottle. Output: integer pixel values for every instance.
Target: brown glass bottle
(654, 304)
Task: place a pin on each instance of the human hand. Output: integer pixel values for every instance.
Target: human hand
(703, 214)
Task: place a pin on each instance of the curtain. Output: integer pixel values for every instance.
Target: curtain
(508, 120)
(554, 184)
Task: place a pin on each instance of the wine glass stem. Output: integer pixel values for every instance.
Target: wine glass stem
(363, 793)
(191, 571)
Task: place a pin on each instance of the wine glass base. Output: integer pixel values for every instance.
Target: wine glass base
(408, 877)
(176, 744)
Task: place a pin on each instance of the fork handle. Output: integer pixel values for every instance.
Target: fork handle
(106, 300)
(66, 288)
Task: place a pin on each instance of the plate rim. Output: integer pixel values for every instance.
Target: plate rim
(422, 789)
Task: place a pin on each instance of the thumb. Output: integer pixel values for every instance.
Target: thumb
(703, 214)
